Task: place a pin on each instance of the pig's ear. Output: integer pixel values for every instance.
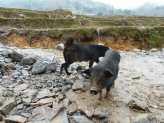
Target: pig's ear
(88, 72)
(69, 40)
(108, 73)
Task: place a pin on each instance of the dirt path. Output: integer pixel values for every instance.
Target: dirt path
(140, 77)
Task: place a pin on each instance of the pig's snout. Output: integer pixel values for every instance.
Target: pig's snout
(93, 91)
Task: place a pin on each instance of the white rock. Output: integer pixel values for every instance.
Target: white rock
(44, 93)
(20, 88)
(136, 50)
(43, 102)
(60, 47)
(15, 119)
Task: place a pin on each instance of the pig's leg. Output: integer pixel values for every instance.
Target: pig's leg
(100, 95)
(65, 67)
(61, 69)
(107, 92)
(97, 60)
(90, 63)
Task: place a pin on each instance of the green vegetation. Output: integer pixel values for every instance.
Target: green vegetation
(140, 34)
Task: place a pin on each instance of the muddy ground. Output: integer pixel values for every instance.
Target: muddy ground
(141, 77)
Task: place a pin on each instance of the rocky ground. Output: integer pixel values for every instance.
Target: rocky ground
(31, 89)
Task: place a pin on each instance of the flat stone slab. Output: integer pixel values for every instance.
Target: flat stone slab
(15, 119)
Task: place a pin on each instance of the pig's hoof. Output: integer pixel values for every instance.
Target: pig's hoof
(106, 96)
(68, 73)
(99, 98)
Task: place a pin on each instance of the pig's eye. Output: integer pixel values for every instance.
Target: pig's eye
(102, 77)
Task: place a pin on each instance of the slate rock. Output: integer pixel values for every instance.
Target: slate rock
(72, 108)
(40, 67)
(8, 105)
(79, 85)
(16, 56)
(28, 61)
(138, 105)
(101, 112)
(15, 119)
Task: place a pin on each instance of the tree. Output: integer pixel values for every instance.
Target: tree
(99, 14)
(111, 11)
(87, 9)
(127, 11)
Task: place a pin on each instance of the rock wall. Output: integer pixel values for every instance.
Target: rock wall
(120, 38)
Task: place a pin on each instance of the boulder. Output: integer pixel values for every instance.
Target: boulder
(40, 67)
(8, 105)
(60, 47)
(101, 112)
(16, 119)
(154, 50)
(72, 108)
(79, 85)
(28, 61)
(16, 56)
(138, 105)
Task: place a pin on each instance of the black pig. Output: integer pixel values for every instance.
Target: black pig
(104, 73)
(77, 52)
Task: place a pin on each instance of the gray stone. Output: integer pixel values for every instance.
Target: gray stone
(44, 93)
(72, 108)
(8, 105)
(79, 85)
(15, 111)
(68, 16)
(19, 88)
(59, 114)
(29, 92)
(65, 102)
(27, 115)
(25, 73)
(101, 44)
(40, 67)
(21, 15)
(2, 100)
(101, 112)
(60, 47)
(60, 97)
(15, 119)
(154, 50)
(51, 66)
(16, 56)
(43, 102)
(20, 106)
(28, 61)
(80, 119)
(138, 105)
(136, 50)
(40, 113)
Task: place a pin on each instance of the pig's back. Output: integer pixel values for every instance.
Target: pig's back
(111, 62)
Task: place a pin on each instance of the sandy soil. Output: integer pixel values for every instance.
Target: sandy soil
(141, 77)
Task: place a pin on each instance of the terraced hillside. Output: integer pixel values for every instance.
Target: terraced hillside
(48, 28)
